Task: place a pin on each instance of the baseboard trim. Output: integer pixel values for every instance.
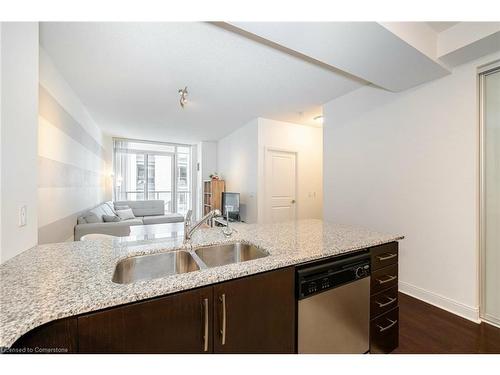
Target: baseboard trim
(489, 319)
(445, 303)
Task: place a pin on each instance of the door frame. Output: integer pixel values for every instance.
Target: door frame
(483, 71)
(268, 149)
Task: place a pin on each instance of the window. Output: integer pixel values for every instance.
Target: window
(152, 170)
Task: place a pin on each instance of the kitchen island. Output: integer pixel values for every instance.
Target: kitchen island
(55, 281)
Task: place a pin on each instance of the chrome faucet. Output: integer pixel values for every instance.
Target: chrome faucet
(227, 231)
(189, 228)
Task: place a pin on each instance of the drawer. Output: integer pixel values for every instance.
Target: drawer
(384, 278)
(384, 332)
(383, 301)
(384, 255)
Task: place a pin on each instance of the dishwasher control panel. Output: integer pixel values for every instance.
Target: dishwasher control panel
(318, 278)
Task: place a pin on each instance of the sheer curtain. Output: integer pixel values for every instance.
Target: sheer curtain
(122, 170)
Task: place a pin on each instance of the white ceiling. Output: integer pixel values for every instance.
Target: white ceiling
(441, 26)
(364, 49)
(128, 74)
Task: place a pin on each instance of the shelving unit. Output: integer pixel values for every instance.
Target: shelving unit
(212, 195)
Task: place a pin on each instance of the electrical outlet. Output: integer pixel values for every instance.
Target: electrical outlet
(22, 216)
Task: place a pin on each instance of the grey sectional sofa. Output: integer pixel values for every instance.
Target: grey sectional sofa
(146, 213)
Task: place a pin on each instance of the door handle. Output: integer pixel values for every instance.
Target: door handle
(222, 299)
(387, 257)
(384, 304)
(293, 201)
(382, 329)
(389, 279)
(205, 324)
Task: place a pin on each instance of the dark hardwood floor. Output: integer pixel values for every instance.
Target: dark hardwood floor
(426, 329)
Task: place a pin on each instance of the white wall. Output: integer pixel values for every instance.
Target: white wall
(408, 163)
(307, 142)
(240, 160)
(237, 163)
(19, 104)
(74, 166)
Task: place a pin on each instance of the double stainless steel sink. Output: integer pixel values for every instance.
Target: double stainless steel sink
(152, 266)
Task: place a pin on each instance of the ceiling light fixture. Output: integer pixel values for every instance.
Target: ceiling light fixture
(183, 96)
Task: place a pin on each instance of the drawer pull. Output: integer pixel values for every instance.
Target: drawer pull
(389, 279)
(387, 257)
(382, 329)
(384, 304)
(222, 299)
(205, 324)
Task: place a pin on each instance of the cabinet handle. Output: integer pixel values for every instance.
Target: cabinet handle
(205, 325)
(384, 304)
(387, 257)
(223, 329)
(389, 279)
(382, 329)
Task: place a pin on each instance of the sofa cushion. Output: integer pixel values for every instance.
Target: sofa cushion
(160, 219)
(125, 214)
(109, 208)
(144, 208)
(91, 218)
(136, 221)
(110, 218)
(97, 211)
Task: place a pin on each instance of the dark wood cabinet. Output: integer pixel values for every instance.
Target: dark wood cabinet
(383, 301)
(384, 255)
(384, 311)
(59, 336)
(384, 332)
(255, 314)
(179, 323)
(384, 278)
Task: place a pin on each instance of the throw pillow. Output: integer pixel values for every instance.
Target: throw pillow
(125, 214)
(110, 218)
(91, 218)
(121, 208)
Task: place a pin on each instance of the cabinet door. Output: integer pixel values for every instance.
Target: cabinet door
(59, 336)
(255, 314)
(181, 323)
(384, 332)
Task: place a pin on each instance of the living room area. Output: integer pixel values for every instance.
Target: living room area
(128, 143)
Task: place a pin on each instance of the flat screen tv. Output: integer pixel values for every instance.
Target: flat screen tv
(231, 203)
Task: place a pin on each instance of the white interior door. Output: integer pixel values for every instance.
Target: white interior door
(280, 181)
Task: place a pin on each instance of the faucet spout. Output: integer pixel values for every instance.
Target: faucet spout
(190, 229)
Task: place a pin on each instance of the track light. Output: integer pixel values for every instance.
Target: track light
(183, 96)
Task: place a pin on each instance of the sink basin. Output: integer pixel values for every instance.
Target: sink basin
(152, 266)
(219, 255)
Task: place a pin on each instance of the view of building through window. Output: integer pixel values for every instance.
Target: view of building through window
(145, 171)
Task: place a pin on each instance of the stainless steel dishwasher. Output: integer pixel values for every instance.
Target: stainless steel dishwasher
(334, 306)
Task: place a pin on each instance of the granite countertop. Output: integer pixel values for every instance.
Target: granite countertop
(54, 281)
